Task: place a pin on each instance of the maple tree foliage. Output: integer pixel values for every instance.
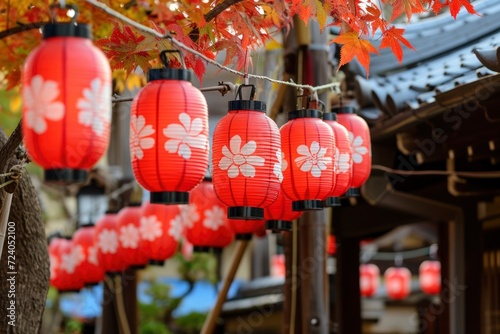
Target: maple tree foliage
(212, 27)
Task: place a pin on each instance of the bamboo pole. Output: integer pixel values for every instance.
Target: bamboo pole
(209, 325)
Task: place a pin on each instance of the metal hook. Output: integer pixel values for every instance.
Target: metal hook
(252, 92)
(62, 5)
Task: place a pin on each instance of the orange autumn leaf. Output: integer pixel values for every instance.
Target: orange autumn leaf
(409, 7)
(393, 38)
(355, 47)
(456, 5)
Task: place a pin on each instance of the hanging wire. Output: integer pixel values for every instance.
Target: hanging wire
(398, 256)
(179, 44)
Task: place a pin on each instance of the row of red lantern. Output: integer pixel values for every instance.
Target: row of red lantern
(67, 119)
(398, 280)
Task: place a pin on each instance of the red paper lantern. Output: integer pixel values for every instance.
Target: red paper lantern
(430, 277)
(161, 229)
(359, 137)
(331, 245)
(279, 216)
(246, 159)
(205, 221)
(342, 160)
(108, 244)
(369, 279)
(70, 258)
(169, 135)
(55, 261)
(89, 268)
(308, 163)
(244, 229)
(129, 221)
(397, 282)
(66, 89)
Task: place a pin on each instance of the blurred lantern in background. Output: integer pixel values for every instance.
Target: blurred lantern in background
(308, 150)
(397, 282)
(359, 137)
(430, 277)
(160, 230)
(169, 135)
(342, 160)
(129, 236)
(369, 279)
(89, 268)
(205, 222)
(246, 158)
(279, 216)
(106, 239)
(331, 245)
(92, 203)
(70, 257)
(66, 91)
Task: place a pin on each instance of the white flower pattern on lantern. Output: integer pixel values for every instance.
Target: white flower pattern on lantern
(95, 106)
(189, 214)
(312, 159)
(342, 162)
(108, 241)
(358, 150)
(129, 236)
(71, 260)
(54, 265)
(214, 218)
(92, 256)
(140, 133)
(150, 228)
(284, 163)
(184, 136)
(176, 228)
(39, 103)
(278, 167)
(240, 159)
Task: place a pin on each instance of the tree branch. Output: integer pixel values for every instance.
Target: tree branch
(20, 28)
(219, 9)
(8, 150)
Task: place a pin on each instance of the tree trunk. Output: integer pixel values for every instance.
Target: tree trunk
(29, 274)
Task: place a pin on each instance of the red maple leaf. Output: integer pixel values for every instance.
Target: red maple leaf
(375, 18)
(393, 38)
(456, 5)
(355, 47)
(410, 7)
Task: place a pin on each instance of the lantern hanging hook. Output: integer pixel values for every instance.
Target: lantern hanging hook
(398, 260)
(166, 62)
(433, 251)
(252, 91)
(314, 102)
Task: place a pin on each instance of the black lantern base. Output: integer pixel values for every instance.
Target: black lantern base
(169, 197)
(158, 263)
(279, 225)
(207, 249)
(65, 175)
(91, 284)
(245, 212)
(306, 205)
(331, 202)
(113, 273)
(246, 236)
(69, 291)
(353, 192)
(138, 266)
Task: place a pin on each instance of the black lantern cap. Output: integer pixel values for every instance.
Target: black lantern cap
(65, 175)
(250, 104)
(245, 212)
(169, 197)
(353, 192)
(279, 225)
(306, 205)
(244, 236)
(343, 110)
(331, 202)
(305, 113)
(138, 266)
(67, 30)
(169, 73)
(158, 263)
(330, 116)
(207, 249)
